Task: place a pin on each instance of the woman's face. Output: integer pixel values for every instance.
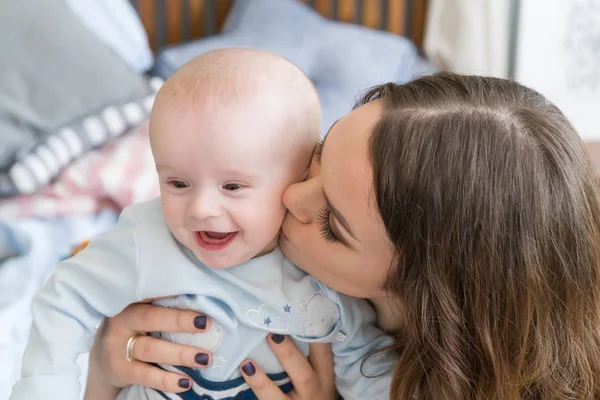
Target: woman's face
(333, 229)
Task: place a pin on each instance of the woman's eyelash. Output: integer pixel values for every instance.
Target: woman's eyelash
(324, 226)
(318, 151)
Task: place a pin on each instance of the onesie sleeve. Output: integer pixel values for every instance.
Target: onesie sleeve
(360, 373)
(99, 281)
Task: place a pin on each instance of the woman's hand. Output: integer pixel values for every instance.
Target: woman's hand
(313, 378)
(109, 370)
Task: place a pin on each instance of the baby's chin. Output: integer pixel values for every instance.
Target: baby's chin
(218, 261)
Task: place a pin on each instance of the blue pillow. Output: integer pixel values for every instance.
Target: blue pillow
(341, 59)
(287, 28)
(353, 58)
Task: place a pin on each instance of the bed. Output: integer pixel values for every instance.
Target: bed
(65, 180)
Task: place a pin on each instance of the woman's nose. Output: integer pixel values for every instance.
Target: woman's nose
(301, 200)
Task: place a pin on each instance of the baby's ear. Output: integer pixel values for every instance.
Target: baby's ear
(302, 305)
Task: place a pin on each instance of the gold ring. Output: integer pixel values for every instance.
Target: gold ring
(129, 356)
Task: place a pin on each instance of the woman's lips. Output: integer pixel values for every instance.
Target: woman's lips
(214, 241)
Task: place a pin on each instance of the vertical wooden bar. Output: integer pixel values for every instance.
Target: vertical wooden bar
(419, 19)
(323, 7)
(146, 11)
(371, 13)
(395, 20)
(335, 10)
(358, 17)
(173, 22)
(346, 11)
(160, 21)
(222, 10)
(186, 21)
(383, 14)
(196, 11)
(210, 23)
(408, 18)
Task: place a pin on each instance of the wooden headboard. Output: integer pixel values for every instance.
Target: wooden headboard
(175, 21)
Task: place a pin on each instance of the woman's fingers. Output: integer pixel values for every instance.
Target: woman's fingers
(156, 378)
(301, 372)
(108, 352)
(321, 359)
(149, 318)
(263, 387)
(150, 349)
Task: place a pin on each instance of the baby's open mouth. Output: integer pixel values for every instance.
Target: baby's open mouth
(214, 240)
(215, 236)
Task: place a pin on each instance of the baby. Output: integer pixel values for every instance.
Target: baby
(229, 132)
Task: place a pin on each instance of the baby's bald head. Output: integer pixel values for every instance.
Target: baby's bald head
(238, 79)
(230, 131)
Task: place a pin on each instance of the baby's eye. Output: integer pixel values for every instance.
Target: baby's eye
(232, 187)
(179, 184)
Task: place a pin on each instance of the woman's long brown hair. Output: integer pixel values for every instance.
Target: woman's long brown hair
(492, 204)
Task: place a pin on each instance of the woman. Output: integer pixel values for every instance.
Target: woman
(466, 210)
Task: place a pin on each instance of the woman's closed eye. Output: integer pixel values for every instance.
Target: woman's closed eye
(325, 226)
(318, 151)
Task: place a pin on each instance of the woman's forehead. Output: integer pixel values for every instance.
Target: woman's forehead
(346, 170)
(352, 132)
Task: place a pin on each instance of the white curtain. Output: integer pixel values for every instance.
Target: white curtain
(469, 36)
(559, 55)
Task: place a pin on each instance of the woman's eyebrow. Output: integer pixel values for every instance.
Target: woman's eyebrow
(339, 217)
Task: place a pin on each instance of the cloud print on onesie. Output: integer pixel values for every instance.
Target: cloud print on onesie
(266, 318)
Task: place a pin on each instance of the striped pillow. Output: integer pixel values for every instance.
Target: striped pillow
(42, 163)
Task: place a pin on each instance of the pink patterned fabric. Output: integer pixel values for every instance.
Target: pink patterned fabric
(116, 175)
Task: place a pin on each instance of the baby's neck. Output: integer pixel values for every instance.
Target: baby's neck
(388, 317)
(269, 248)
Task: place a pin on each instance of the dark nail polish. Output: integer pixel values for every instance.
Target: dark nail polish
(249, 369)
(200, 322)
(202, 358)
(277, 338)
(184, 383)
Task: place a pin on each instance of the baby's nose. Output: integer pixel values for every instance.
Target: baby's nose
(205, 206)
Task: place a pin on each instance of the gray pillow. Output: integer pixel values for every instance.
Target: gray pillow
(54, 74)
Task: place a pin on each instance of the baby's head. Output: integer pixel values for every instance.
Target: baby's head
(229, 132)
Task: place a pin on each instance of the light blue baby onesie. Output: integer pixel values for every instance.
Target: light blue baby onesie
(140, 259)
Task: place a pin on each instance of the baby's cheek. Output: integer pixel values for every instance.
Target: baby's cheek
(174, 210)
(270, 213)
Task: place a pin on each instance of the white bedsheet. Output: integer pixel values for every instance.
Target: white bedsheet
(41, 244)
